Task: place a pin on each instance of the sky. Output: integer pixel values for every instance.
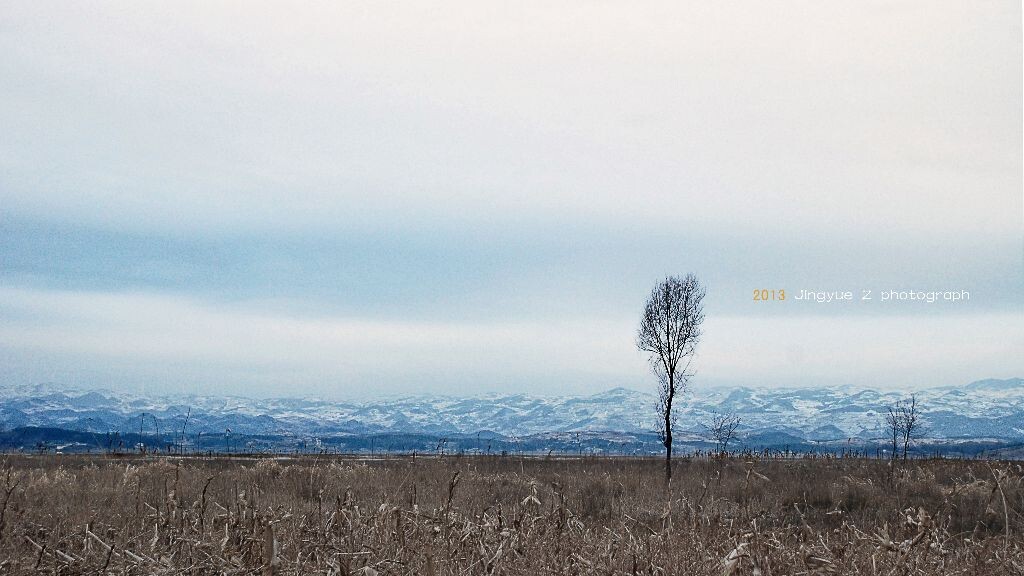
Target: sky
(361, 199)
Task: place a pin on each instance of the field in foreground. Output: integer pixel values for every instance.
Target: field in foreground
(484, 515)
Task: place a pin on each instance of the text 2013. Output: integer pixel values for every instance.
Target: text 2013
(766, 295)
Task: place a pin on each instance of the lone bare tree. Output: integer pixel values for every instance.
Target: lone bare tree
(893, 426)
(669, 332)
(722, 429)
(911, 427)
(903, 426)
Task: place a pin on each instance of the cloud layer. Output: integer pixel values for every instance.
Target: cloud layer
(258, 196)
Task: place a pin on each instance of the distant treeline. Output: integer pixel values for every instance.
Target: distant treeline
(50, 440)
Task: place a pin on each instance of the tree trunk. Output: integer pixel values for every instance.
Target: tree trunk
(668, 457)
(668, 429)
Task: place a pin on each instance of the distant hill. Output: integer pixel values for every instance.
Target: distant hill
(986, 411)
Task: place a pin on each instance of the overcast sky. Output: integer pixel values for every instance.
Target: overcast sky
(351, 199)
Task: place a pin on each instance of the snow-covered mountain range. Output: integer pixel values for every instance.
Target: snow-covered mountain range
(984, 409)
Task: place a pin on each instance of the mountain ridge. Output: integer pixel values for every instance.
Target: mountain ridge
(990, 408)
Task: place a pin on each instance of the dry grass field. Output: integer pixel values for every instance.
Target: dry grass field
(482, 515)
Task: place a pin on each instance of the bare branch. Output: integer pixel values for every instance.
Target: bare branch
(722, 430)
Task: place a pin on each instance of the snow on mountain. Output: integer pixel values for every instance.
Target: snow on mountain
(983, 409)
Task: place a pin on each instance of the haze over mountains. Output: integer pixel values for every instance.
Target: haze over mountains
(986, 410)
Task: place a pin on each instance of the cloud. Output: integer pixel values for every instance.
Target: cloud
(167, 334)
(134, 339)
(835, 117)
(361, 197)
(896, 351)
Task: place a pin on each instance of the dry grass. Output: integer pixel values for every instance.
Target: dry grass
(89, 515)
